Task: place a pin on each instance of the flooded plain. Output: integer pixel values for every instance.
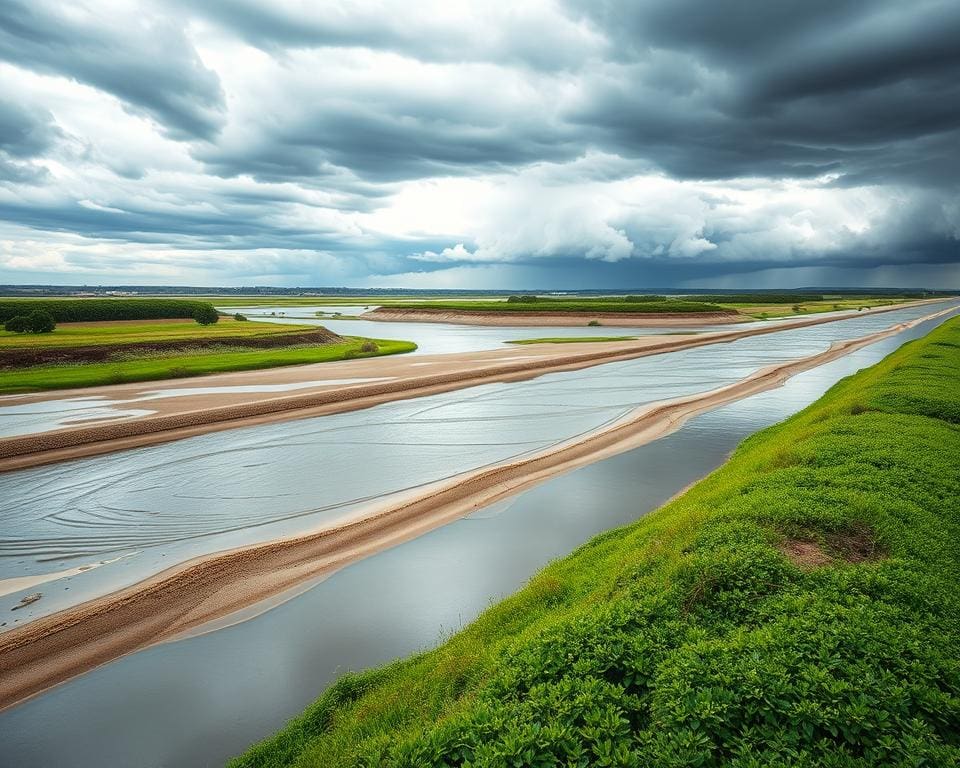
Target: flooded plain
(164, 504)
(196, 701)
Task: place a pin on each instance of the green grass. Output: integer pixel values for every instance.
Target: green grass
(567, 305)
(690, 639)
(768, 311)
(155, 367)
(571, 339)
(88, 334)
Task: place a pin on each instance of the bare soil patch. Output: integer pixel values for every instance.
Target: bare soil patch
(856, 544)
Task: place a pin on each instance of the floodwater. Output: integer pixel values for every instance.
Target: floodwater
(164, 504)
(443, 338)
(47, 415)
(197, 701)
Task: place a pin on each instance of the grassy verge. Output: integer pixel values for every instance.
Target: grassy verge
(152, 368)
(129, 332)
(571, 339)
(797, 607)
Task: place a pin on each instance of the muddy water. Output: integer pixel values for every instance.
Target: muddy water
(197, 701)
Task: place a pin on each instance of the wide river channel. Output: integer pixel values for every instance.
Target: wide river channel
(199, 700)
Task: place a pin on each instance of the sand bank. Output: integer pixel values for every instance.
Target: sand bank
(52, 649)
(178, 417)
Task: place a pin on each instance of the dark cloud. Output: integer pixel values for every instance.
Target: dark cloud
(25, 134)
(339, 143)
(528, 36)
(145, 61)
(612, 135)
(793, 88)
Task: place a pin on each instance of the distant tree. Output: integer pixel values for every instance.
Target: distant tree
(523, 299)
(205, 314)
(18, 324)
(238, 316)
(40, 321)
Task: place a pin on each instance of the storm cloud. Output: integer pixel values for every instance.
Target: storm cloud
(557, 144)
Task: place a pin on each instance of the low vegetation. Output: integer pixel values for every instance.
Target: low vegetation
(774, 310)
(86, 310)
(197, 362)
(797, 607)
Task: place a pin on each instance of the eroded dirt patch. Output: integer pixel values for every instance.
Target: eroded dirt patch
(856, 544)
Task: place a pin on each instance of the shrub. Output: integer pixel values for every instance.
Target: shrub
(238, 316)
(17, 324)
(523, 299)
(40, 321)
(643, 299)
(37, 321)
(593, 323)
(91, 310)
(205, 314)
(369, 347)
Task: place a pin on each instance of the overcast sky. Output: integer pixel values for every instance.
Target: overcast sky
(577, 143)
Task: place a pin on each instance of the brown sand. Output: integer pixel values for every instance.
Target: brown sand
(546, 318)
(405, 377)
(54, 648)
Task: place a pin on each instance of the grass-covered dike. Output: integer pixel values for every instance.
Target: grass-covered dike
(196, 363)
(798, 607)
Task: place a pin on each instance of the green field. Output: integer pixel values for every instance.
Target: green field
(571, 339)
(769, 311)
(798, 607)
(131, 332)
(155, 367)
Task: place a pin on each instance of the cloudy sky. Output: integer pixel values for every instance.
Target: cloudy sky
(572, 143)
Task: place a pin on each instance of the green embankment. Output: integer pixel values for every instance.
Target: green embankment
(691, 638)
(86, 310)
(84, 334)
(158, 366)
(570, 339)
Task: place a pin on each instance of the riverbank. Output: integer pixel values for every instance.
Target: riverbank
(799, 604)
(51, 649)
(253, 398)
